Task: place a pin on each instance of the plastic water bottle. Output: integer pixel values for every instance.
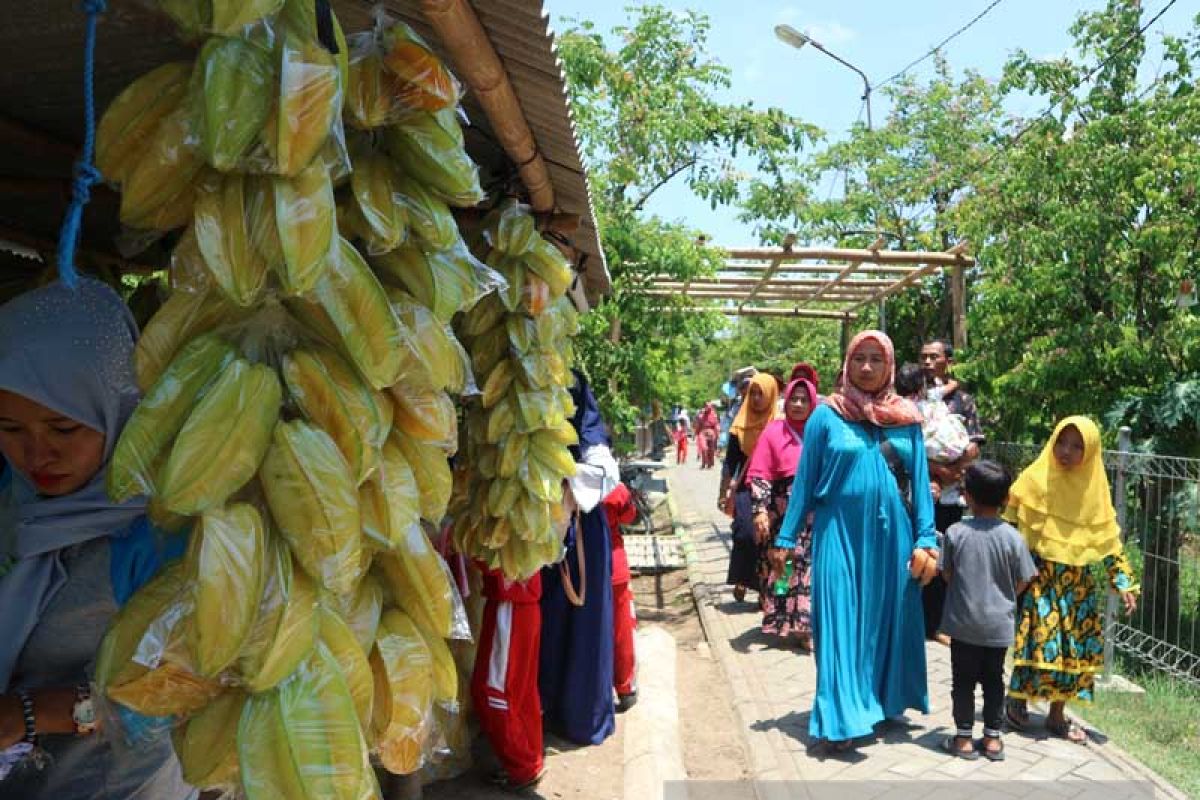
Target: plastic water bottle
(781, 583)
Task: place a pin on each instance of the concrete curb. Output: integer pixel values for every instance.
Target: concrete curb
(653, 750)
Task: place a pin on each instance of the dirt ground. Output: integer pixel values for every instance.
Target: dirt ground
(712, 748)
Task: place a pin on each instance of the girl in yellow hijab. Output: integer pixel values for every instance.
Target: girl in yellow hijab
(1062, 505)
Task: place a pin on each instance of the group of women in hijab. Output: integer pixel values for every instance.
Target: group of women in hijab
(832, 500)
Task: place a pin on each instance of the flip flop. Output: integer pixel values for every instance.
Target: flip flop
(1069, 730)
(950, 747)
(509, 786)
(991, 755)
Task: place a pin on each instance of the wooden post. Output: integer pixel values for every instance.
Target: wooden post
(845, 336)
(958, 299)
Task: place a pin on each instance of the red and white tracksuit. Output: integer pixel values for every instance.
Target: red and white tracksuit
(620, 509)
(504, 684)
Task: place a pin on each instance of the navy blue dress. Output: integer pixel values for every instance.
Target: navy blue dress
(575, 670)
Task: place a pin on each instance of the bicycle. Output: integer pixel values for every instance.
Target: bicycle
(637, 476)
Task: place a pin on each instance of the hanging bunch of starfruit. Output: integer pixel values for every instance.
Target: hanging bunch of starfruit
(508, 504)
(299, 402)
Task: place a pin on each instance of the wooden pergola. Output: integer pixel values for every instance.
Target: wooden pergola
(817, 282)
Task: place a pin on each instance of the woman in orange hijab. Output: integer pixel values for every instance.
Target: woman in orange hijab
(752, 418)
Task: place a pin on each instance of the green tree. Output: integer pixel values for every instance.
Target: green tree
(647, 114)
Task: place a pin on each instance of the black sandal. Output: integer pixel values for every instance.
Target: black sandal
(1017, 715)
(992, 755)
(1067, 729)
(950, 745)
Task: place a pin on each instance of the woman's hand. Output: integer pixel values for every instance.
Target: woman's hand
(777, 557)
(762, 527)
(1130, 601)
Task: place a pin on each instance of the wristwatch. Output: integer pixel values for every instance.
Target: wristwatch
(84, 711)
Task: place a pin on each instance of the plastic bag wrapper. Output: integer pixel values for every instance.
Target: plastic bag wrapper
(285, 627)
(361, 610)
(146, 440)
(432, 471)
(525, 292)
(206, 745)
(314, 501)
(227, 562)
(306, 226)
(510, 229)
(235, 82)
(158, 190)
(390, 501)
(445, 671)
(130, 122)
(441, 361)
(417, 580)
(444, 281)
(183, 317)
(539, 409)
(373, 192)
(351, 659)
(304, 739)
(309, 103)
(187, 271)
(431, 222)
(430, 146)
(425, 83)
(403, 670)
(221, 232)
(222, 17)
(542, 369)
(428, 415)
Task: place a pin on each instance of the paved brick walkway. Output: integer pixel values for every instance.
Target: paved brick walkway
(773, 688)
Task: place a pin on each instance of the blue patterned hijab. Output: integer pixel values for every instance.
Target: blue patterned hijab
(71, 351)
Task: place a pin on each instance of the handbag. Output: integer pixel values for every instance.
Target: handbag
(899, 472)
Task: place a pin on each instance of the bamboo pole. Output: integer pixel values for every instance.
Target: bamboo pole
(958, 299)
(787, 269)
(788, 241)
(916, 257)
(841, 276)
(743, 297)
(667, 281)
(900, 285)
(477, 63)
(805, 313)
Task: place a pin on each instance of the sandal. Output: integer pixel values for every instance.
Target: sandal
(950, 745)
(739, 593)
(1067, 729)
(990, 754)
(509, 786)
(1017, 714)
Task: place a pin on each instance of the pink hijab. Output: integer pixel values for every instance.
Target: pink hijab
(778, 452)
(884, 408)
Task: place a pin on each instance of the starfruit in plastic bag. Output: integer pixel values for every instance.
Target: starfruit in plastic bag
(432, 472)
(226, 562)
(391, 500)
(236, 82)
(424, 82)
(322, 402)
(351, 658)
(510, 229)
(373, 186)
(548, 448)
(224, 439)
(502, 420)
(369, 408)
(183, 317)
(303, 740)
(445, 673)
(446, 281)
(549, 264)
(114, 660)
(130, 121)
(416, 579)
(170, 689)
(429, 415)
(372, 92)
(514, 449)
(430, 146)
(497, 383)
(161, 413)
(430, 220)
(439, 361)
(403, 671)
(222, 229)
(206, 745)
(230, 16)
(158, 191)
(361, 610)
(310, 102)
(286, 625)
(315, 504)
(306, 221)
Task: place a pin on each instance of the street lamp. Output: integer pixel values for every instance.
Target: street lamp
(789, 35)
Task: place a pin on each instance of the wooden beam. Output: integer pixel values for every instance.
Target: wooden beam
(787, 269)
(958, 300)
(768, 312)
(841, 276)
(916, 257)
(721, 280)
(743, 297)
(900, 285)
(788, 241)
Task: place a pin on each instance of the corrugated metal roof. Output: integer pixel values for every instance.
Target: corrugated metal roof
(41, 63)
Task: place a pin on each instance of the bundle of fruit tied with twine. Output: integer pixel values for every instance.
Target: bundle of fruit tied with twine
(299, 405)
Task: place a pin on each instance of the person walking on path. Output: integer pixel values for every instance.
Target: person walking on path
(784, 595)
(734, 496)
(681, 442)
(71, 557)
(937, 357)
(1062, 505)
(986, 566)
(708, 424)
(864, 480)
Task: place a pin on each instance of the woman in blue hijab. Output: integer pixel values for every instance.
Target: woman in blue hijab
(575, 670)
(69, 557)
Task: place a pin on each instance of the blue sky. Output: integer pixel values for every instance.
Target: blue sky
(878, 36)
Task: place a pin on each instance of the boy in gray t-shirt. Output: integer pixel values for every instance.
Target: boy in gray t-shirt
(986, 565)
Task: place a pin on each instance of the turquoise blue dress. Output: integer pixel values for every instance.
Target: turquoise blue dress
(868, 629)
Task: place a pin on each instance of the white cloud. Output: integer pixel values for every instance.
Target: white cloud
(787, 14)
(830, 32)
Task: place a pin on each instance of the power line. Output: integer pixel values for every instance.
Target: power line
(1084, 79)
(941, 44)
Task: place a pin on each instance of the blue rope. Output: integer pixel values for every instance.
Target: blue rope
(85, 175)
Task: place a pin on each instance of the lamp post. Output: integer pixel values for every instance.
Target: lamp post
(789, 35)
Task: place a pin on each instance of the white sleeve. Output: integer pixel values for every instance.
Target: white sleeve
(595, 476)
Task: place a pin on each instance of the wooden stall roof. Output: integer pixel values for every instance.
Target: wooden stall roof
(41, 110)
(816, 282)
